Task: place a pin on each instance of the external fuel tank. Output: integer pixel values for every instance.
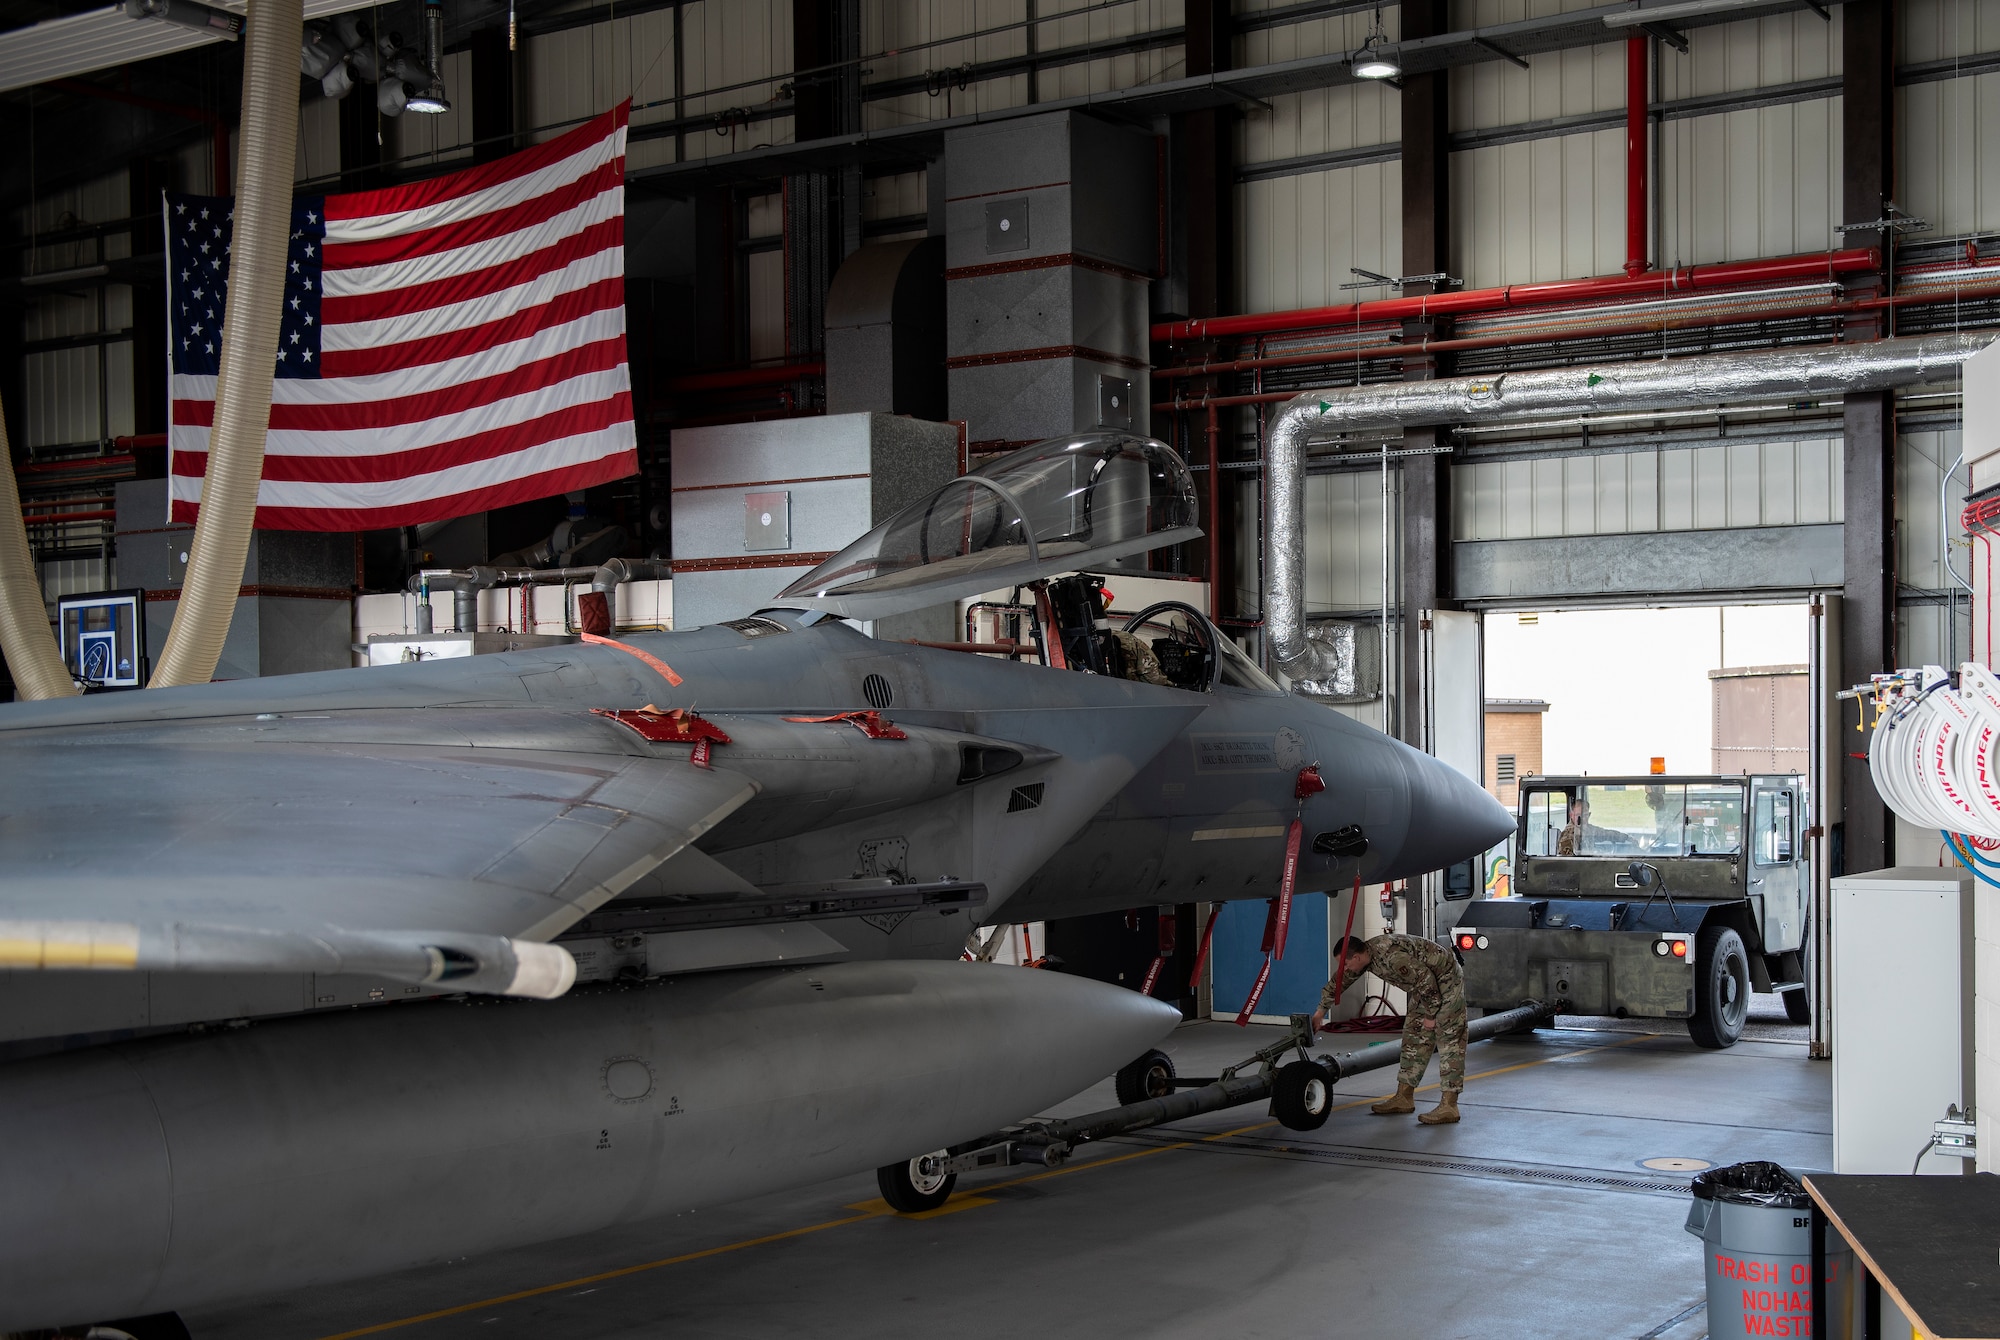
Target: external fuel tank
(157, 1175)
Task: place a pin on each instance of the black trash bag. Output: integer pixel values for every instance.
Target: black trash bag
(1758, 1183)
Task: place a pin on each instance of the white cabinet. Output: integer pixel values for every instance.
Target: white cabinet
(1902, 1003)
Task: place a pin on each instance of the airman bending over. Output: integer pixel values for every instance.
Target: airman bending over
(1434, 1019)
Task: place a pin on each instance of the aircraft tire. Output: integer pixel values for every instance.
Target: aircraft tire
(909, 1191)
(1151, 1076)
(1722, 989)
(1302, 1095)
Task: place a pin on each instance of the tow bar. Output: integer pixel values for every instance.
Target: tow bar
(1300, 1092)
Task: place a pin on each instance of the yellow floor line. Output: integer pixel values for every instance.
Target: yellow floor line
(869, 1211)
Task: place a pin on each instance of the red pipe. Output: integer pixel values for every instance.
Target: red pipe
(1637, 50)
(1891, 302)
(74, 463)
(1817, 265)
(62, 518)
(742, 379)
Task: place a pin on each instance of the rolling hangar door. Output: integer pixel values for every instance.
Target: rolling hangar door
(1744, 505)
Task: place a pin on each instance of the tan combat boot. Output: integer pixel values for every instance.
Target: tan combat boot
(1445, 1113)
(1404, 1101)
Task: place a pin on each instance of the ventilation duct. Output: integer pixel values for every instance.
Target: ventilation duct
(25, 639)
(249, 345)
(1638, 386)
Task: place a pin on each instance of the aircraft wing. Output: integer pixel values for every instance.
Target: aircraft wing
(314, 844)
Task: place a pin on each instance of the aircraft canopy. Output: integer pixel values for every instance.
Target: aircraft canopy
(1046, 509)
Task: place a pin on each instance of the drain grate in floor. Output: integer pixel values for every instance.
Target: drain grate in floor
(1540, 1174)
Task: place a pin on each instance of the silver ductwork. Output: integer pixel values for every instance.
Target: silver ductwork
(1677, 383)
(465, 584)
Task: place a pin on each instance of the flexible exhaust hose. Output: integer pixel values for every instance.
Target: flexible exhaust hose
(263, 225)
(24, 617)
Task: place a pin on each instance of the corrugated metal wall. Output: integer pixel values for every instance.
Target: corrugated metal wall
(1705, 488)
(81, 394)
(1732, 185)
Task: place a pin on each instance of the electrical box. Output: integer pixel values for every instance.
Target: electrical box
(1902, 993)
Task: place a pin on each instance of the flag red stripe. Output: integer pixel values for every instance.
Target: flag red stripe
(604, 295)
(570, 422)
(484, 228)
(461, 288)
(452, 186)
(526, 489)
(538, 375)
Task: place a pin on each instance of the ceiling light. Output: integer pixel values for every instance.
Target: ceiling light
(430, 98)
(1372, 64)
(1372, 60)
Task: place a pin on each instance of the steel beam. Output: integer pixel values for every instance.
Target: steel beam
(493, 123)
(1425, 566)
(1868, 625)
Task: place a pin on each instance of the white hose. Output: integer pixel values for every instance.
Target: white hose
(25, 639)
(257, 256)
(1932, 756)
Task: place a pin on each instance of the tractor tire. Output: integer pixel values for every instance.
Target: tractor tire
(1722, 988)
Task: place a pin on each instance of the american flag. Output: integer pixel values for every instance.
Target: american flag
(448, 346)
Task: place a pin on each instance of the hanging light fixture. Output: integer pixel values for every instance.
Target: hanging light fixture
(1373, 60)
(431, 98)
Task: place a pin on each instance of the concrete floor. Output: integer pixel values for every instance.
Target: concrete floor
(1534, 1217)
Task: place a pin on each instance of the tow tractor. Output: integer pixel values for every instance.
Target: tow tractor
(1649, 897)
(1151, 1094)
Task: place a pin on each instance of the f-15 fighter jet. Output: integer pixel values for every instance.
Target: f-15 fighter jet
(327, 975)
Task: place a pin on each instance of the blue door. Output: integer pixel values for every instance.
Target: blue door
(1237, 954)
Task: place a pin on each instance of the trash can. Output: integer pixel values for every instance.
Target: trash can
(1755, 1220)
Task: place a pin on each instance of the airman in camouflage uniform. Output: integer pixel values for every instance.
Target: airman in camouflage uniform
(1434, 1019)
(1140, 662)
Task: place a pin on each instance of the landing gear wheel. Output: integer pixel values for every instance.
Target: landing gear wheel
(1302, 1095)
(1721, 989)
(1151, 1076)
(908, 1188)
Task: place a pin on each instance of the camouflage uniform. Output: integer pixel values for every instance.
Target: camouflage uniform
(1430, 975)
(1140, 662)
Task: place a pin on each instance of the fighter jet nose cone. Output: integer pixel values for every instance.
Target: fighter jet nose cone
(1452, 818)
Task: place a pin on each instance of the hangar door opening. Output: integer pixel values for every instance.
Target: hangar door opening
(1625, 694)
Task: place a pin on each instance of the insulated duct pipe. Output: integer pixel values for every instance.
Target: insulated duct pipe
(466, 585)
(31, 652)
(1651, 385)
(262, 229)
